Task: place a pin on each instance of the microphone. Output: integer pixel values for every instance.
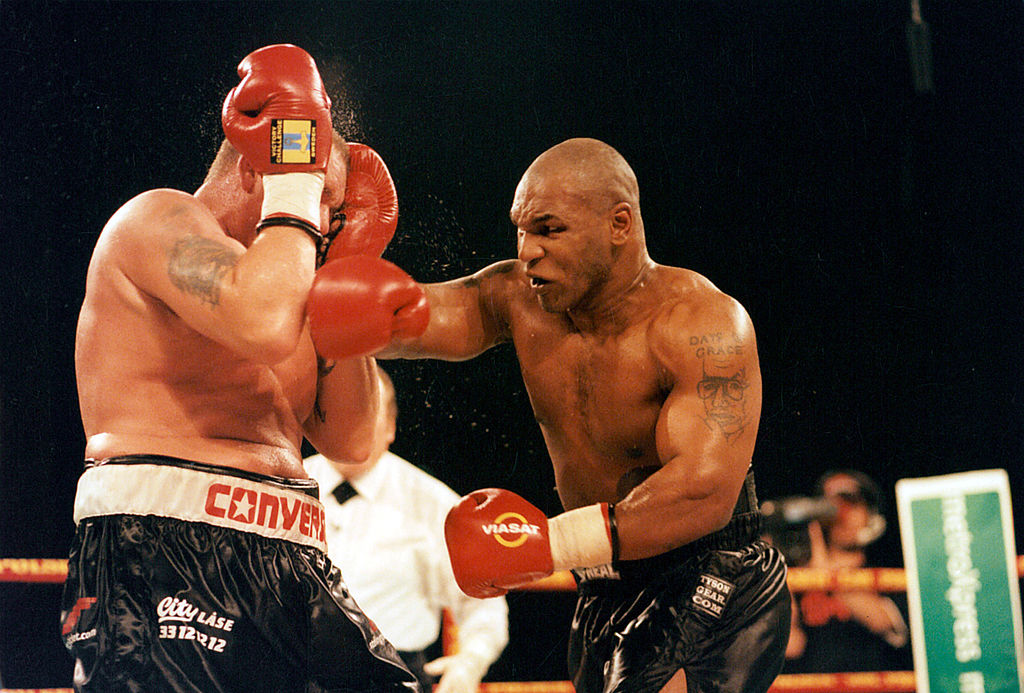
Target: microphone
(797, 510)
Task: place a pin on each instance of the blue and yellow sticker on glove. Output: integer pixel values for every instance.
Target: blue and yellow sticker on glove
(292, 141)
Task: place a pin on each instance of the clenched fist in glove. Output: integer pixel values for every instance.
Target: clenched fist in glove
(279, 115)
(279, 119)
(497, 540)
(358, 303)
(370, 213)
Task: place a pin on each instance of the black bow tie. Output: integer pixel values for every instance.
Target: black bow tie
(343, 492)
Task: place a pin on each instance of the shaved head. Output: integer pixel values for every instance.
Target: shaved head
(589, 169)
(579, 233)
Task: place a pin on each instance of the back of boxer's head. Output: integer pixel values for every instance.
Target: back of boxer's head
(223, 163)
(339, 146)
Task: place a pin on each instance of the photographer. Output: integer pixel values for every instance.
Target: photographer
(843, 630)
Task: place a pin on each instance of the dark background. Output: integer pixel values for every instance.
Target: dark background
(872, 232)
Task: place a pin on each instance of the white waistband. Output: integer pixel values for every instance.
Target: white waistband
(195, 495)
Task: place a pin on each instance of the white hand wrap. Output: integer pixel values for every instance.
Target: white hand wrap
(293, 194)
(460, 672)
(580, 538)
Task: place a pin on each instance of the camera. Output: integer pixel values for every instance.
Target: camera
(785, 523)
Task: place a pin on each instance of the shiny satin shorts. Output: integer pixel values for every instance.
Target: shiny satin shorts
(721, 615)
(189, 577)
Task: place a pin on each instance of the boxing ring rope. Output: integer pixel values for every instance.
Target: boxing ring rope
(54, 570)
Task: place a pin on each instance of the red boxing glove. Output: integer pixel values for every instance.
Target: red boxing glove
(497, 540)
(371, 206)
(279, 115)
(358, 303)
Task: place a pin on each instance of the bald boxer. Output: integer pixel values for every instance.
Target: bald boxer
(645, 382)
(199, 560)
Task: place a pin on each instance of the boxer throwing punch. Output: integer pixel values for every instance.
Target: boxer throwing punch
(198, 561)
(645, 382)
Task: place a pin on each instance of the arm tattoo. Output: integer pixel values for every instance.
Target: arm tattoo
(473, 281)
(323, 369)
(724, 384)
(196, 266)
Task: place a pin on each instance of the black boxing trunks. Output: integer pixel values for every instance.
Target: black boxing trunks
(717, 608)
(188, 577)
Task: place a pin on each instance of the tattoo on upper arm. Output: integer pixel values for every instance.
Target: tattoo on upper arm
(196, 266)
(475, 280)
(723, 385)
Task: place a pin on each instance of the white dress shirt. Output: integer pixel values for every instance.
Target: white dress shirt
(389, 543)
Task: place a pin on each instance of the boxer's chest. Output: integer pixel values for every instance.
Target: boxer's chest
(598, 393)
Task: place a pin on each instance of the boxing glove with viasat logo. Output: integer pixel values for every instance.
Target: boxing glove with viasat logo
(498, 540)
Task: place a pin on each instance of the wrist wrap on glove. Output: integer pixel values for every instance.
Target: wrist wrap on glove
(497, 540)
(279, 119)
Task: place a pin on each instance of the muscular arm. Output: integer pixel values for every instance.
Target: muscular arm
(467, 317)
(250, 300)
(705, 432)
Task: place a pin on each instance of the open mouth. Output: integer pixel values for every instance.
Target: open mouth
(537, 282)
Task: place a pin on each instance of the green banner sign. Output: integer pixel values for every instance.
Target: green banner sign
(962, 586)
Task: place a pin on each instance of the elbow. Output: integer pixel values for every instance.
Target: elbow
(358, 451)
(721, 514)
(346, 451)
(352, 446)
(264, 327)
(267, 340)
(716, 503)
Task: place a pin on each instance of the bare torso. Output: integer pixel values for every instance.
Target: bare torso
(598, 396)
(150, 384)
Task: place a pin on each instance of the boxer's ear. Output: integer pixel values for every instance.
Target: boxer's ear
(246, 174)
(621, 219)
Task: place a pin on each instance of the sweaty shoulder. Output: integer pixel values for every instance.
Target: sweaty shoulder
(152, 215)
(150, 228)
(698, 321)
(155, 207)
